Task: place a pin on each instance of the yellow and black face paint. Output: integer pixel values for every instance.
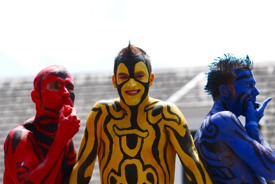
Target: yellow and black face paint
(132, 79)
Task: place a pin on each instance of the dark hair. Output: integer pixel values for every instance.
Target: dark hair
(220, 72)
(133, 51)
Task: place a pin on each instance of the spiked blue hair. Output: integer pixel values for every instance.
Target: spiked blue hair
(220, 72)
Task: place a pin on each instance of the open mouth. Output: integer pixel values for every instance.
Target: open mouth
(132, 92)
(256, 105)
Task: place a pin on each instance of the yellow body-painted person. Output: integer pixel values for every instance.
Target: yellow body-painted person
(136, 137)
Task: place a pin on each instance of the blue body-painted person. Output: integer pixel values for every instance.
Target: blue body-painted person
(234, 153)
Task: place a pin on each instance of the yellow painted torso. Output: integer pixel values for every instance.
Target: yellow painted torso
(137, 146)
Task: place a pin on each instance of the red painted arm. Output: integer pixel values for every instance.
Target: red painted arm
(22, 161)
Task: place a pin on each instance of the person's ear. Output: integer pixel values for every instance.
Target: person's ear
(114, 81)
(152, 78)
(225, 91)
(34, 96)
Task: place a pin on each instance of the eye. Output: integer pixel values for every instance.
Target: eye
(54, 86)
(70, 87)
(123, 76)
(139, 75)
(250, 85)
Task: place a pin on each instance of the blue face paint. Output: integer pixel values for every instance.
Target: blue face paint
(245, 90)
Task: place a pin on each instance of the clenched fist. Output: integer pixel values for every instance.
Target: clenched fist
(68, 124)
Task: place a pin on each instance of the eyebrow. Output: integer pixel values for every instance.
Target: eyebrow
(245, 76)
(242, 74)
(139, 72)
(122, 74)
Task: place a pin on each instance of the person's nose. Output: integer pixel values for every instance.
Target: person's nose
(256, 92)
(65, 92)
(132, 82)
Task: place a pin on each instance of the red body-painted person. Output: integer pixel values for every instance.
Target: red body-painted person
(41, 150)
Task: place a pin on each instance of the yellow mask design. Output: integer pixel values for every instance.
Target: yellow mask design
(132, 87)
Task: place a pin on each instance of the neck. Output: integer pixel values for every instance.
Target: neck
(219, 106)
(136, 107)
(46, 125)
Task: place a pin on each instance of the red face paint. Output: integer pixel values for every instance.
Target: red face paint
(55, 88)
(41, 149)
